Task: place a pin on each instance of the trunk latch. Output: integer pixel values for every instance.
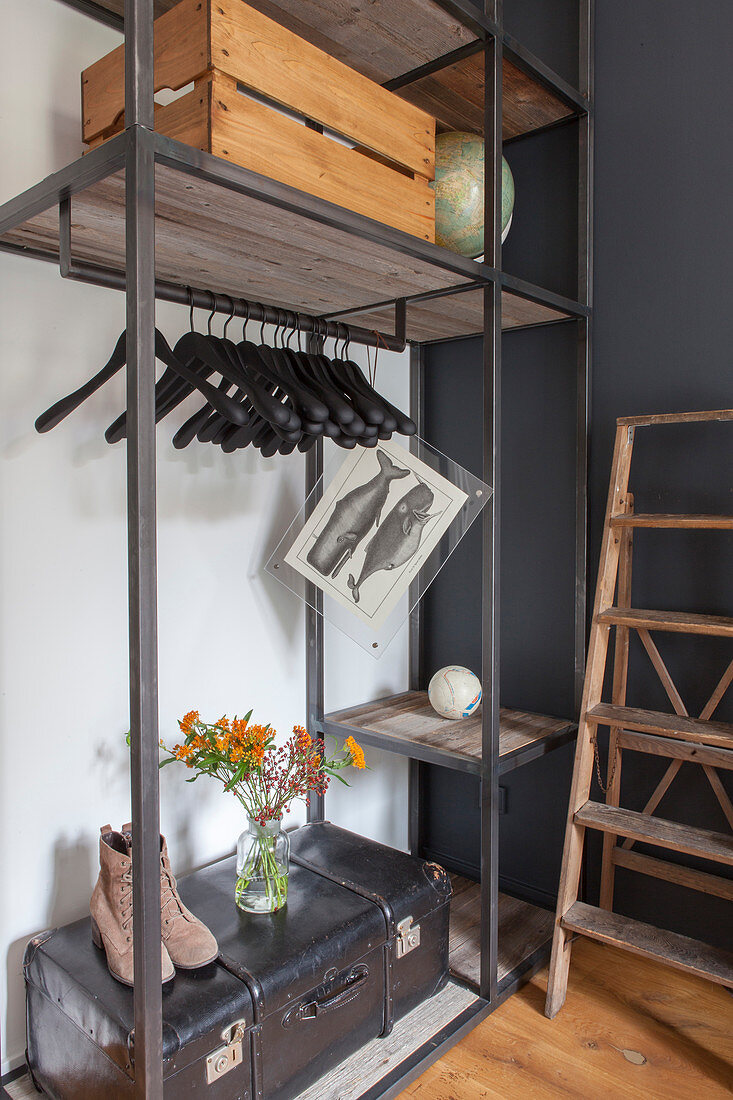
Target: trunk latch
(408, 937)
(227, 1057)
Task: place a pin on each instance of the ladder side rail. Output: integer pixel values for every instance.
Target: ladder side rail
(583, 767)
(620, 681)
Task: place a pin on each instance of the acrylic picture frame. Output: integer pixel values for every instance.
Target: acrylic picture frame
(374, 533)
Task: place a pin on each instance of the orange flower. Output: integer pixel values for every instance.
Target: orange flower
(184, 753)
(188, 721)
(356, 752)
(223, 723)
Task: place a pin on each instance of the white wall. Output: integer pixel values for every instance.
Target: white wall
(230, 637)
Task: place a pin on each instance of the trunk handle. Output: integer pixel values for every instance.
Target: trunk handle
(354, 981)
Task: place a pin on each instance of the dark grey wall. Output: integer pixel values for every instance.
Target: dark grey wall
(663, 342)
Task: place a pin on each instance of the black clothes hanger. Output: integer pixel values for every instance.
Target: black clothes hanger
(403, 424)
(189, 429)
(61, 409)
(58, 412)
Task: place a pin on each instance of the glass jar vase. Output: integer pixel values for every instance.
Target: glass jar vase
(263, 857)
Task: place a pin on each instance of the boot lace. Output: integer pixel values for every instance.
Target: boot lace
(170, 903)
(126, 899)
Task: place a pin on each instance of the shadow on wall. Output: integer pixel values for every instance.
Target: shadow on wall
(74, 874)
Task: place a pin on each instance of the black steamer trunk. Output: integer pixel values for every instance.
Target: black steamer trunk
(362, 940)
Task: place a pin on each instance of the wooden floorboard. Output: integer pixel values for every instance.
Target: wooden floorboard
(523, 928)
(631, 1029)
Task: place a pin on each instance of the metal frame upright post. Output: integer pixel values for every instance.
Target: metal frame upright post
(585, 335)
(493, 62)
(314, 632)
(416, 768)
(142, 545)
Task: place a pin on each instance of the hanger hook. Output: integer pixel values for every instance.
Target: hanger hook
(348, 341)
(293, 328)
(262, 322)
(213, 311)
(190, 307)
(231, 314)
(245, 322)
(299, 331)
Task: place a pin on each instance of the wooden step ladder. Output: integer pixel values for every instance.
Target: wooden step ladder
(677, 736)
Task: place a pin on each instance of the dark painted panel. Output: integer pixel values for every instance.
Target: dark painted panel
(537, 586)
(663, 338)
(550, 30)
(542, 243)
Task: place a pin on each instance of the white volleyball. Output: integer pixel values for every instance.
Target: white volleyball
(454, 692)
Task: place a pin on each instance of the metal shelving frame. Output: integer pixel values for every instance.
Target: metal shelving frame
(497, 45)
(137, 150)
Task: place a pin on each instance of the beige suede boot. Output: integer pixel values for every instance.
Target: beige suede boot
(111, 909)
(189, 942)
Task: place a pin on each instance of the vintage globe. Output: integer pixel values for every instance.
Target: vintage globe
(459, 193)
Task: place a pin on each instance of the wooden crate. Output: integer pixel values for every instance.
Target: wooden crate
(231, 52)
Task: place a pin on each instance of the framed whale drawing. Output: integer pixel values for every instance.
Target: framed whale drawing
(375, 532)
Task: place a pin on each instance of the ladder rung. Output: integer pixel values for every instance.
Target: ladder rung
(653, 943)
(638, 519)
(681, 622)
(695, 753)
(673, 872)
(655, 830)
(698, 730)
(676, 418)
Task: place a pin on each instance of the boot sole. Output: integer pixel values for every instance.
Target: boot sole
(99, 944)
(197, 966)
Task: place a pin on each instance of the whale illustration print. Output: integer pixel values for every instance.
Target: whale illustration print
(398, 539)
(352, 518)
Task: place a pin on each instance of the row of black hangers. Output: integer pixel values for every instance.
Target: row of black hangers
(283, 397)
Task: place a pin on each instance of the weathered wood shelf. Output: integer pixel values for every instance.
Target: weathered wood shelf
(524, 930)
(408, 725)
(215, 236)
(455, 96)
(387, 41)
(457, 315)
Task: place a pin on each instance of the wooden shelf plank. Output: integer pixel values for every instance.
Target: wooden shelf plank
(384, 41)
(455, 96)
(679, 622)
(407, 723)
(682, 522)
(446, 318)
(698, 730)
(231, 243)
(523, 929)
(656, 830)
(653, 943)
